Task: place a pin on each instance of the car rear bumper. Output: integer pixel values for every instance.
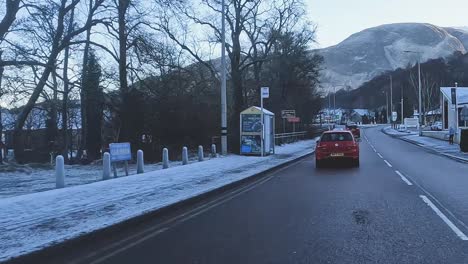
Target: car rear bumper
(327, 156)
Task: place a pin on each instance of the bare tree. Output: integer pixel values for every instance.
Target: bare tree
(12, 7)
(61, 40)
(252, 27)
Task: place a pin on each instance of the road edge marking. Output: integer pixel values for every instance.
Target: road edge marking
(388, 163)
(403, 178)
(447, 221)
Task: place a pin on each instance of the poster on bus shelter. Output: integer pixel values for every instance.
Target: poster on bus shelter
(251, 144)
(251, 123)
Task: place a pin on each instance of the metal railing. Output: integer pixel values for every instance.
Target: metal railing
(285, 138)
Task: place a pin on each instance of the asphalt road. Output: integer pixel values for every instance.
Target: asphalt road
(340, 215)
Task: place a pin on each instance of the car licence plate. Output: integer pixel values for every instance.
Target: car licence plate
(337, 154)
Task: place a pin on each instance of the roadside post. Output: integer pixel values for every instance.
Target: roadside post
(59, 172)
(106, 163)
(453, 94)
(394, 119)
(120, 152)
(286, 114)
(140, 162)
(265, 93)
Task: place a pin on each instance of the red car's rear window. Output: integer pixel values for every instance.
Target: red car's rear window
(336, 137)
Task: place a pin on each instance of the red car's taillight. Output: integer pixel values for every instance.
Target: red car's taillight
(321, 148)
(352, 148)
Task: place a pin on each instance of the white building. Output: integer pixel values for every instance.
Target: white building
(450, 116)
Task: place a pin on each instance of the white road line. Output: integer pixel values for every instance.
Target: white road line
(454, 228)
(379, 155)
(403, 178)
(388, 163)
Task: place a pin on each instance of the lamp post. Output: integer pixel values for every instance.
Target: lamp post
(419, 89)
(223, 83)
(334, 99)
(386, 103)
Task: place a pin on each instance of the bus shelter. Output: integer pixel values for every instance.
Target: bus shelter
(251, 131)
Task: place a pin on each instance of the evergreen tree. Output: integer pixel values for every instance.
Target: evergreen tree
(94, 106)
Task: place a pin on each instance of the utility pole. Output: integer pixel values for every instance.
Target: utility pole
(402, 108)
(420, 105)
(419, 89)
(391, 100)
(334, 104)
(386, 98)
(223, 83)
(391, 94)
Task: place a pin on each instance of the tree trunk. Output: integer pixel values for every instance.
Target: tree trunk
(236, 79)
(1, 121)
(50, 65)
(12, 7)
(65, 94)
(83, 92)
(124, 110)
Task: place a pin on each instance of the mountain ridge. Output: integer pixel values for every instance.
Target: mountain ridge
(373, 51)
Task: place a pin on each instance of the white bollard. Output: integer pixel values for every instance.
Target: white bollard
(106, 163)
(59, 172)
(184, 156)
(165, 158)
(140, 162)
(200, 153)
(213, 150)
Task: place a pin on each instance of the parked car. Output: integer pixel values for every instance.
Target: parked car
(336, 146)
(436, 126)
(354, 129)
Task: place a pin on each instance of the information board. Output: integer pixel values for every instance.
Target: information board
(288, 113)
(411, 122)
(251, 123)
(120, 151)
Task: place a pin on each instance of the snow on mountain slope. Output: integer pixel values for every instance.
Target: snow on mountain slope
(372, 51)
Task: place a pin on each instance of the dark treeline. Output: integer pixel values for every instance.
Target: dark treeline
(135, 71)
(182, 108)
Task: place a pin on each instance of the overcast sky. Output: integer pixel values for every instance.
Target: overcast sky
(338, 19)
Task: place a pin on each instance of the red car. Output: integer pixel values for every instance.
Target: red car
(336, 146)
(354, 129)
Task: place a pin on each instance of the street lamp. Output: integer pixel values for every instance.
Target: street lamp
(386, 98)
(419, 88)
(334, 98)
(223, 83)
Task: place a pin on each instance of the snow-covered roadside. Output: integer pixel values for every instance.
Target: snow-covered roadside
(390, 131)
(33, 221)
(32, 179)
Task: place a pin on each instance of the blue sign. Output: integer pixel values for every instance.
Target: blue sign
(120, 151)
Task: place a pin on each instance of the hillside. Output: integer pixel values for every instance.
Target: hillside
(366, 54)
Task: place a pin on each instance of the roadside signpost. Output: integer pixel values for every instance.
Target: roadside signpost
(120, 152)
(264, 93)
(394, 116)
(294, 120)
(286, 115)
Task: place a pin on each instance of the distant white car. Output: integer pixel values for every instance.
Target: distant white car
(437, 126)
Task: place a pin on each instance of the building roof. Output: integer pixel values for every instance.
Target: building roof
(361, 112)
(462, 94)
(256, 110)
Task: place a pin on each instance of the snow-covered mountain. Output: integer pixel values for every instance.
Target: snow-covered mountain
(372, 51)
